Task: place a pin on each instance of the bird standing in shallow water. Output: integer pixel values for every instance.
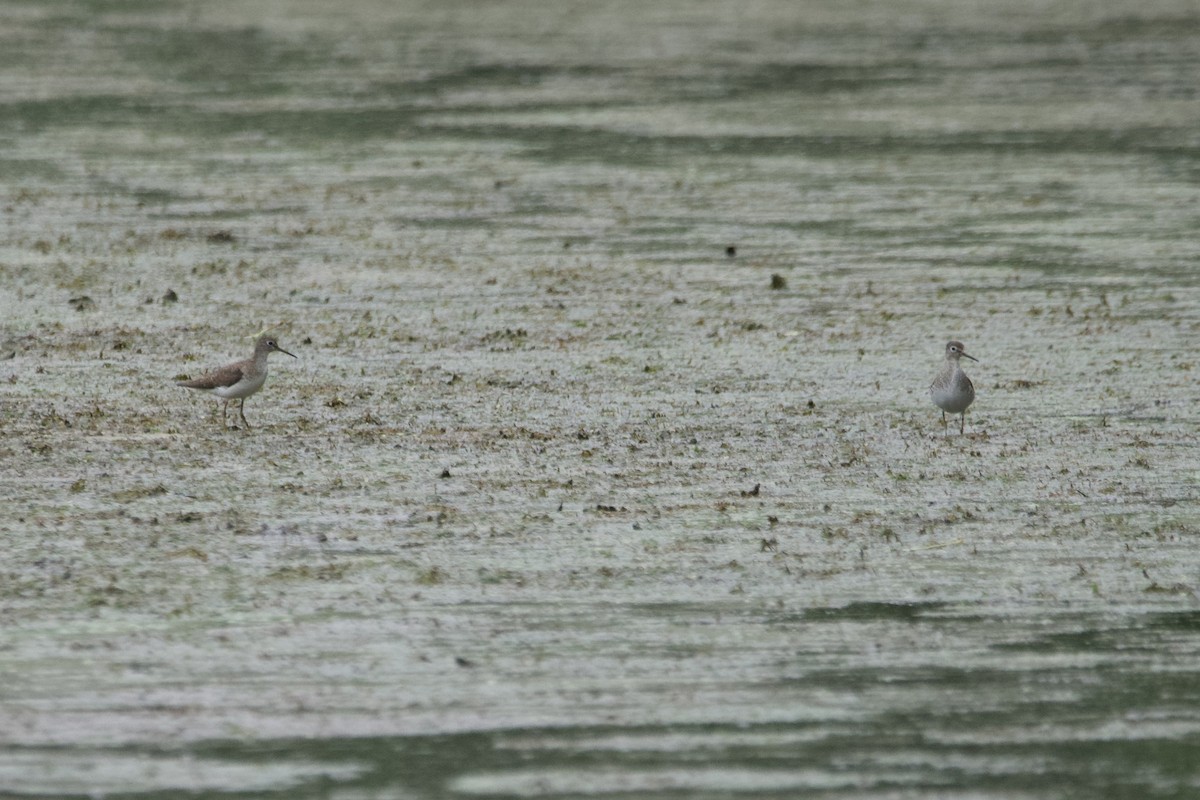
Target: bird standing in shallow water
(238, 380)
(952, 390)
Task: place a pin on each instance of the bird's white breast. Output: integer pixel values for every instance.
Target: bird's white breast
(954, 394)
(243, 388)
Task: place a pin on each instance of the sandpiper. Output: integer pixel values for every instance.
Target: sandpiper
(952, 390)
(238, 380)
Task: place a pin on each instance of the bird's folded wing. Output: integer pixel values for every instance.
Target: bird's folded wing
(217, 379)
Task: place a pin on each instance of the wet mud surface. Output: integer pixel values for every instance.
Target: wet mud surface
(608, 463)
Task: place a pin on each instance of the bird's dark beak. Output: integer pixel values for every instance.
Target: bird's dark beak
(963, 354)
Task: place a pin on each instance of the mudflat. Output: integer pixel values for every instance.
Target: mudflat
(609, 449)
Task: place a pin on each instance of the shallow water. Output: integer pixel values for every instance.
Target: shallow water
(608, 465)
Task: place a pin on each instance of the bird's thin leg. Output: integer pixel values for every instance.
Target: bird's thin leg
(224, 411)
(962, 422)
(242, 413)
